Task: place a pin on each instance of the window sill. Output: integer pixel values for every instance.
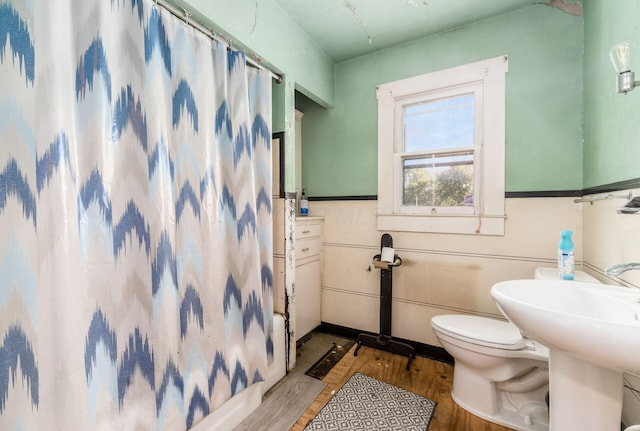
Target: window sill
(465, 225)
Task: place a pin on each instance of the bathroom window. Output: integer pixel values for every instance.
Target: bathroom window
(441, 151)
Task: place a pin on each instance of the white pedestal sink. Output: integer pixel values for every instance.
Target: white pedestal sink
(593, 335)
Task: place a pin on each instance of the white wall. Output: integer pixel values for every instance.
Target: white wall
(444, 274)
(440, 274)
(611, 238)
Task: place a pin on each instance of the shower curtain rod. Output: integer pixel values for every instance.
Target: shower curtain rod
(186, 16)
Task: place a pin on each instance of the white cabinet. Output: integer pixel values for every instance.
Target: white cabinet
(308, 243)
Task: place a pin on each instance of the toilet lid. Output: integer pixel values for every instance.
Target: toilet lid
(481, 330)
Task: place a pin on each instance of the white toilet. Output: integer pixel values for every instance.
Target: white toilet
(499, 375)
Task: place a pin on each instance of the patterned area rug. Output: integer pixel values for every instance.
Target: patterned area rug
(364, 404)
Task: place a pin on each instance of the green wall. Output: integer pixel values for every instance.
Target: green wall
(544, 103)
(263, 28)
(611, 120)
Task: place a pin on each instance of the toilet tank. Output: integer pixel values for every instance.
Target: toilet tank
(552, 274)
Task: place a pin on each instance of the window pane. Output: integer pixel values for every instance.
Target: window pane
(439, 124)
(442, 180)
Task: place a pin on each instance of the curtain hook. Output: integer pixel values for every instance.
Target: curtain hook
(187, 15)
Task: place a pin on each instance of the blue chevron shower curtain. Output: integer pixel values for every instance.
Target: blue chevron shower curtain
(135, 218)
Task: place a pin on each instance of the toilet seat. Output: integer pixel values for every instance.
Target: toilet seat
(481, 331)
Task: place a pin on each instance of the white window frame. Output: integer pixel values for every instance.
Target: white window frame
(400, 155)
(487, 78)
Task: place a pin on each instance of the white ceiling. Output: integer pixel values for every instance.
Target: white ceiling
(346, 29)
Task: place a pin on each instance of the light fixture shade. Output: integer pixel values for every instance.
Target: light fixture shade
(620, 55)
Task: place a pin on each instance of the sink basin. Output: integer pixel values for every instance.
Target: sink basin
(594, 322)
(593, 335)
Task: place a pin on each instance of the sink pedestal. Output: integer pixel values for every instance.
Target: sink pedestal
(583, 396)
(593, 335)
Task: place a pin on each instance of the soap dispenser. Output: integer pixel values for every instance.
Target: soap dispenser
(566, 261)
(304, 204)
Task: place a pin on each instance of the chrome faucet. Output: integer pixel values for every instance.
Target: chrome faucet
(622, 267)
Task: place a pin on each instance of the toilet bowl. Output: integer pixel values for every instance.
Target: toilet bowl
(499, 375)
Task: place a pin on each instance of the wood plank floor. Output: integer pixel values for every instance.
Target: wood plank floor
(431, 379)
(289, 398)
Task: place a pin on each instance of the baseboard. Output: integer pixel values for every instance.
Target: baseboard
(436, 353)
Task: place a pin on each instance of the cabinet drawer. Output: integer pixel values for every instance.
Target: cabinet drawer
(307, 230)
(308, 247)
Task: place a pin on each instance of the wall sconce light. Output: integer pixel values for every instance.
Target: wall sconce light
(621, 58)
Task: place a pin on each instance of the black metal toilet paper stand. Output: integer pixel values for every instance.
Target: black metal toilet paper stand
(384, 341)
